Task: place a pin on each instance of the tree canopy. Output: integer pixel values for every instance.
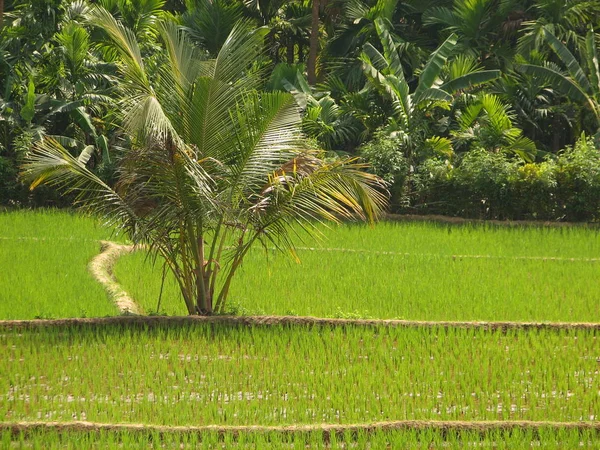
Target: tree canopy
(440, 80)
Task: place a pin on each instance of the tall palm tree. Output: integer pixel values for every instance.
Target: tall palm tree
(483, 26)
(215, 166)
(566, 19)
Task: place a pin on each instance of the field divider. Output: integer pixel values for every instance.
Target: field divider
(438, 255)
(17, 428)
(101, 268)
(133, 320)
(46, 239)
(347, 250)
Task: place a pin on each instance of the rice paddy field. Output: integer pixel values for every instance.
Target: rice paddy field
(415, 271)
(282, 375)
(227, 374)
(43, 260)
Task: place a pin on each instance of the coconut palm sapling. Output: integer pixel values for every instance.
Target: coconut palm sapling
(215, 165)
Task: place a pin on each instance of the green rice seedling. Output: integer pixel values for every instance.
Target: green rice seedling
(44, 257)
(393, 270)
(468, 239)
(54, 225)
(50, 280)
(284, 375)
(423, 287)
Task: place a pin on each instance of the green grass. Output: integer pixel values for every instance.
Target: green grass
(397, 439)
(283, 375)
(414, 275)
(278, 375)
(396, 270)
(44, 257)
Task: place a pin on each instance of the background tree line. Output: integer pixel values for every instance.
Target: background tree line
(481, 108)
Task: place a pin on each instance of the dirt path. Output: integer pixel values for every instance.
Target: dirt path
(147, 321)
(101, 268)
(327, 429)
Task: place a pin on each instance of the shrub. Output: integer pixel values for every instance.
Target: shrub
(578, 181)
(495, 185)
(384, 154)
(533, 187)
(10, 188)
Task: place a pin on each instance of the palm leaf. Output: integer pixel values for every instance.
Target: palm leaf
(124, 41)
(470, 80)
(50, 163)
(561, 83)
(567, 58)
(268, 134)
(440, 15)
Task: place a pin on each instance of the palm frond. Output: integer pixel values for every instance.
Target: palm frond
(124, 41)
(470, 80)
(268, 134)
(50, 163)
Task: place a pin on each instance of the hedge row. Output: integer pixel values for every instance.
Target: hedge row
(487, 184)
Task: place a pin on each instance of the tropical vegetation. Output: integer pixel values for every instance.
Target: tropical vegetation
(428, 93)
(213, 139)
(213, 164)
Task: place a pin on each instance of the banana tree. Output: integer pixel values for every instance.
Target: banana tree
(215, 166)
(579, 82)
(434, 88)
(356, 25)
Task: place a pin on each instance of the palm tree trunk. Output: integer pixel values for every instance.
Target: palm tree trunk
(314, 44)
(1, 12)
(556, 129)
(290, 51)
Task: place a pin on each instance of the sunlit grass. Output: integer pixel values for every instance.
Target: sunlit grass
(275, 375)
(394, 270)
(409, 271)
(43, 260)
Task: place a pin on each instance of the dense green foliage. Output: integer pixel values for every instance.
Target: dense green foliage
(215, 164)
(492, 185)
(433, 94)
